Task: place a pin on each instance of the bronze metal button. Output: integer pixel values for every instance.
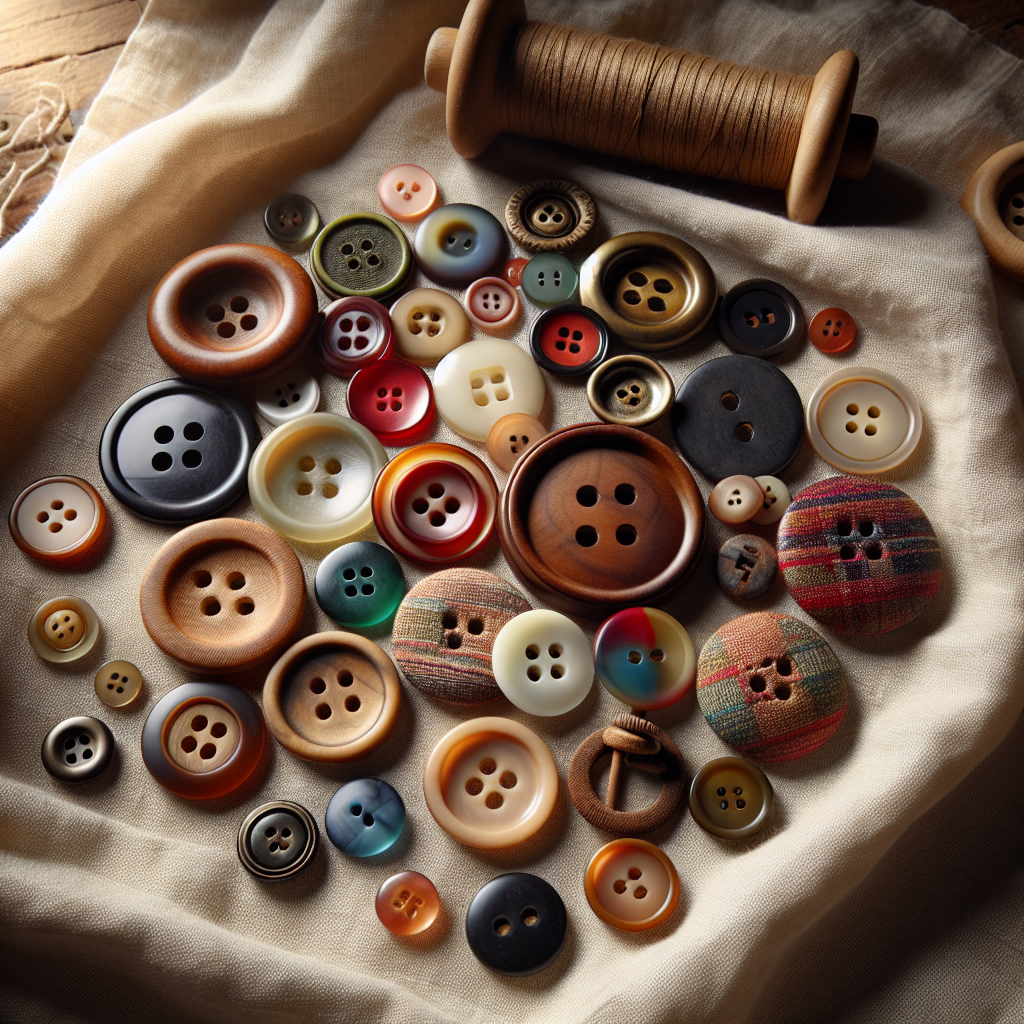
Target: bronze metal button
(550, 216)
(632, 390)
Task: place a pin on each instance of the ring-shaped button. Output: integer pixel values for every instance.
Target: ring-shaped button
(407, 192)
(631, 390)
(77, 749)
(550, 215)
(988, 199)
(361, 254)
(277, 840)
(760, 318)
(731, 798)
(288, 395)
(365, 817)
(511, 437)
(549, 279)
(292, 220)
(359, 584)
(428, 324)
(569, 340)
(746, 566)
(493, 305)
(118, 683)
(60, 521)
(832, 330)
(407, 903)
(356, 332)
(458, 243)
(392, 398)
(63, 629)
(632, 885)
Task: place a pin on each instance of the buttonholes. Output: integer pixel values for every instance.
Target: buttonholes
(724, 803)
(71, 748)
(869, 428)
(730, 401)
(281, 394)
(754, 321)
(573, 346)
(357, 810)
(488, 384)
(434, 327)
(117, 682)
(865, 528)
(507, 780)
(382, 399)
(766, 682)
(354, 257)
(835, 328)
(620, 885)
(630, 394)
(226, 328)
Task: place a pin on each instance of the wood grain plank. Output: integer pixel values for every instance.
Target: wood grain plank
(79, 76)
(19, 13)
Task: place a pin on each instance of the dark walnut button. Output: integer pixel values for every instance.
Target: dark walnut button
(832, 330)
(60, 521)
(203, 740)
(770, 687)
(356, 331)
(63, 629)
(361, 254)
(118, 683)
(365, 817)
(277, 840)
(569, 340)
(630, 884)
(631, 390)
(516, 924)
(232, 313)
(459, 243)
(859, 555)
(738, 415)
(223, 596)
(77, 749)
(292, 220)
(760, 318)
(550, 216)
(731, 798)
(601, 517)
(746, 566)
(360, 584)
(175, 452)
(393, 398)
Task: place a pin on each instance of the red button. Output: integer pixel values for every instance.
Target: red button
(832, 330)
(393, 398)
(569, 341)
(514, 270)
(356, 332)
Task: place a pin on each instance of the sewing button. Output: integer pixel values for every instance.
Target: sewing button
(516, 924)
(311, 478)
(484, 380)
(444, 633)
(775, 502)
(175, 452)
(407, 903)
(458, 243)
(832, 330)
(407, 192)
(360, 584)
(770, 686)
(630, 884)
(549, 279)
(290, 394)
(203, 740)
(392, 398)
(493, 305)
(490, 783)
(543, 662)
(361, 254)
(428, 324)
(511, 437)
(550, 216)
(514, 270)
(277, 840)
(77, 749)
(859, 555)
(292, 220)
(63, 629)
(631, 390)
(356, 332)
(118, 683)
(738, 415)
(223, 596)
(760, 318)
(731, 798)
(365, 817)
(569, 340)
(735, 499)
(60, 521)
(746, 566)
(994, 199)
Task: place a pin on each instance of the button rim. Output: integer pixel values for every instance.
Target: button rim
(250, 821)
(338, 291)
(106, 665)
(705, 822)
(507, 322)
(981, 201)
(665, 911)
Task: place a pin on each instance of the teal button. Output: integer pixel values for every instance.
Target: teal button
(548, 279)
(359, 584)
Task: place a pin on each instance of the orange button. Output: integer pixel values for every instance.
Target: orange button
(407, 903)
(832, 330)
(61, 521)
(632, 885)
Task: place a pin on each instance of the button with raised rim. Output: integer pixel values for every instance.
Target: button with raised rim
(407, 903)
(428, 324)
(632, 885)
(735, 499)
(493, 305)
(569, 340)
(77, 749)
(550, 215)
(277, 840)
(292, 220)
(832, 330)
(407, 192)
(63, 629)
(291, 393)
(774, 503)
(991, 198)
(60, 521)
(393, 398)
(365, 817)
(746, 566)
(458, 243)
(356, 332)
(511, 437)
(760, 318)
(631, 390)
(359, 584)
(731, 798)
(549, 279)
(118, 683)
(361, 254)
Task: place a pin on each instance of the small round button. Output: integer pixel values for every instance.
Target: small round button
(292, 220)
(365, 817)
(516, 924)
(407, 903)
(490, 783)
(731, 798)
(991, 201)
(360, 584)
(832, 330)
(60, 521)
(569, 340)
(393, 398)
(550, 216)
(289, 394)
(746, 566)
(458, 243)
(361, 254)
(511, 437)
(277, 840)
(549, 279)
(63, 629)
(514, 270)
(493, 305)
(356, 332)
(774, 503)
(428, 324)
(77, 749)
(631, 390)
(735, 499)
(760, 318)
(118, 683)
(630, 884)
(407, 192)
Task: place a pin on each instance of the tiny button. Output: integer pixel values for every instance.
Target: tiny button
(407, 192)
(393, 398)
(77, 749)
(735, 499)
(63, 629)
(291, 393)
(277, 840)
(549, 279)
(493, 305)
(60, 521)
(746, 566)
(365, 817)
(514, 270)
(118, 683)
(511, 437)
(428, 324)
(356, 331)
(632, 885)
(359, 584)
(731, 798)
(407, 903)
(292, 220)
(832, 330)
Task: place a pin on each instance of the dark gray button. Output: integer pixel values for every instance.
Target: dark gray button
(746, 566)
(277, 840)
(760, 318)
(78, 749)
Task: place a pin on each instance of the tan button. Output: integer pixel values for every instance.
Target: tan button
(735, 499)
(118, 683)
(60, 520)
(203, 738)
(63, 629)
(630, 884)
(550, 216)
(428, 324)
(511, 437)
(775, 502)
(991, 199)
(730, 798)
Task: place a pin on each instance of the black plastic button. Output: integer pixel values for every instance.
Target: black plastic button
(277, 840)
(292, 220)
(78, 749)
(760, 318)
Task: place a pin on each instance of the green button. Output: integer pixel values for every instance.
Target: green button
(359, 584)
(548, 279)
(361, 254)
(292, 221)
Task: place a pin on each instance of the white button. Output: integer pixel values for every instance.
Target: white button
(287, 395)
(735, 499)
(776, 500)
(427, 325)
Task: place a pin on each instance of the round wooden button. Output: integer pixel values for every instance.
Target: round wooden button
(60, 521)
(277, 840)
(359, 584)
(631, 390)
(550, 216)
(231, 313)
(407, 903)
(549, 279)
(760, 318)
(332, 697)
(407, 192)
(990, 198)
(118, 683)
(77, 749)
(511, 437)
(746, 566)
(731, 798)
(63, 629)
(490, 783)
(361, 254)
(599, 517)
(393, 398)
(735, 499)
(631, 884)
(459, 243)
(223, 596)
(514, 270)
(428, 324)
(356, 332)
(365, 817)
(569, 340)
(292, 220)
(287, 395)
(775, 501)
(832, 330)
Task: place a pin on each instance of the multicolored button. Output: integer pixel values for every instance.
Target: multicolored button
(760, 318)
(360, 584)
(393, 398)
(459, 243)
(407, 192)
(407, 903)
(361, 254)
(832, 330)
(428, 324)
(77, 749)
(356, 332)
(511, 437)
(289, 394)
(731, 798)
(746, 566)
(631, 884)
(569, 340)
(292, 220)
(775, 502)
(365, 817)
(60, 521)
(118, 683)
(549, 279)
(63, 629)
(735, 499)
(631, 390)
(493, 305)
(277, 840)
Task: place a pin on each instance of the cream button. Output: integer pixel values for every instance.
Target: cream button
(287, 395)
(63, 629)
(735, 499)
(428, 324)
(775, 501)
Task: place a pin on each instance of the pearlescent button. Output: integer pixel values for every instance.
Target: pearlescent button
(356, 332)
(289, 394)
(459, 243)
(746, 566)
(63, 629)
(775, 501)
(493, 305)
(428, 324)
(277, 840)
(735, 499)
(360, 584)
(631, 884)
(118, 683)
(60, 521)
(361, 254)
(407, 192)
(365, 817)
(512, 437)
(407, 903)
(731, 798)
(549, 279)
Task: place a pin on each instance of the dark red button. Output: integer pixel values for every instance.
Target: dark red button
(514, 270)
(356, 332)
(569, 340)
(438, 503)
(393, 398)
(832, 330)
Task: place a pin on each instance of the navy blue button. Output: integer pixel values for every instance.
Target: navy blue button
(365, 817)
(359, 584)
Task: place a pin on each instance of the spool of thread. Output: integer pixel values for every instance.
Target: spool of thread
(675, 109)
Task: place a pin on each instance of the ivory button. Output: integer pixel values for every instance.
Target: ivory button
(459, 243)
(731, 798)
(356, 331)
(77, 749)
(775, 502)
(428, 324)
(288, 395)
(277, 840)
(60, 521)
(631, 884)
(63, 629)
(361, 254)
(118, 683)
(511, 437)
(407, 192)
(407, 903)
(493, 305)
(746, 566)
(735, 499)
(365, 817)
(832, 330)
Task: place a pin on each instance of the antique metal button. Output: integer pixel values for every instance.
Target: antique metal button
(569, 340)
(360, 584)
(994, 199)
(832, 330)
(493, 305)
(118, 683)
(428, 324)
(550, 216)
(775, 501)
(361, 254)
(63, 629)
(365, 817)
(760, 318)
(407, 903)
(631, 390)
(393, 398)
(288, 395)
(511, 437)
(292, 220)
(746, 566)
(735, 499)
(549, 279)
(77, 749)
(407, 192)
(277, 840)
(459, 243)
(356, 332)
(731, 798)
(631, 884)
(60, 521)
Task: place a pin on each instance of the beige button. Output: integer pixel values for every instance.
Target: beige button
(63, 629)
(428, 324)
(776, 500)
(203, 737)
(735, 499)
(511, 437)
(118, 683)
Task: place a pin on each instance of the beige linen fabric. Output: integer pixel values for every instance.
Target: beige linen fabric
(889, 888)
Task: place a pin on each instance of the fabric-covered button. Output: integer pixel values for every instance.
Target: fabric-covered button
(223, 596)
(289, 394)
(203, 740)
(514, 270)
(444, 632)
(365, 817)
(760, 318)
(292, 220)
(569, 340)
(770, 687)
(60, 521)
(175, 452)
(738, 415)
(407, 903)
(994, 199)
(63, 629)
(493, 305)
(516, 924)
(775, 502)
(361, 254)
(118, 683)
(77, 749)
(630, 884)
(360, 584)
(832, 330)
(277, 840)
(859, 555)
(407, 192)
(631, 390)
(731, 798)
(511, 437)
(332, 697)
(746, 566)
(490, 783)
(543, 662)
(458, 243)
(311, 479)
(428, 324)
(735, 499)
(393, 398)
(549, 279)
(550, 216)
(356, 332)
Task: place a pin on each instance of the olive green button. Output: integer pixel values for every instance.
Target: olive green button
(730, 798)
(361, 254)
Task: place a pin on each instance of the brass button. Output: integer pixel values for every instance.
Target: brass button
(632, 390)
(550, 216)
(63, 629)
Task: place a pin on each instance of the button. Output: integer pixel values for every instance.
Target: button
(458, 243)
(444, 632)
(407, 192)
(631, 390)
(550, 216)
(862, 420)
(288, 395)
(490, 783)
(516, 924)
(361, 254)
(365, 817)
(653, 290)
(760, 318)
(990, 199)
(332, 697)
(359, 585)
(223, 596)
(630, 884)
(203, 740)
(493, 305)
(61, 521)
(393, 398)
(775, 501)
(770, 686)
(738, 415)
(599, 517)
(735, 499)
(514, 270)
(311, 479)
(511, 437)
(229, 314)
(832, 330)
(484, 380)
(731, 798)
(859, 555)
(78, 749)
(118, 683)
(63, 629)
(435, 503)
(549, 279)
(407, 903)
(746, 566)
(175, 452)
(277, 840)
(292, 220)
(543, 663)
(569, 340)
(356, 332)
(428, 324)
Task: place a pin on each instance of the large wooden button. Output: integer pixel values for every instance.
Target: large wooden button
(223, 596)
(550, 215)
(731, 798)
(365, 817)
(361, 254)
(600, 517)
(428, 324)
(393, 398)
(760, 318)
(407, 903)
(332, 697)
(61, 521)
(569, 340)
(77, 749)
(292, 220)
(994, 198)
(63, 629)
(458, 243)
(277, 840)
(118, 683)
(746, 566)
(631, 390)
(356, 332)
(359, 584)
(231, 313)
(631, 884)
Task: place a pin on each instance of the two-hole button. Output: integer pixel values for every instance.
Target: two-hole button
(365, 817)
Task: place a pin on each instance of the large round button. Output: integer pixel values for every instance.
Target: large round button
(569, 340)
(735, 499)
(60, 521)
(630, 884)
(356, 332)
(746, 566)
(360, 584)
(511, 437)
(770, 686)
(428, 324)
(77, 749)
(292, 220)
(550, 216)
(516, 924)
(760, 318)
(859, 555)
(731, 798)
(365, 817)
(288, 395)
(549, 279)
(223, 596)
(631, 390)
(311, 479)
(231, 313)
(407, 903)
(277, 840)
(118, 683)
(444, 632)
(332, 697)
(490, 783)
(203, 740)
(175, 452)
(481, 381)
(994, 198)
(458, 243)
(393, 398)
(493, 305)
(63, 629)
(738, 415)
(407, 192)
(361, 254)
(832, 330)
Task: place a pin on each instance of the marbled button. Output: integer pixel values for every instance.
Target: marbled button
(511, 437)
(77, 749)
(361, 254)
(288, 394)
(632, 885)
(746, 566)
(292, 220)
(118, 683)
(360, 584)
(735, 499)
(277, 840)
(60, 521)
(428, 324)
(407, 192)
(365, 817)
(63, 629)
(407, 903)
(731, 798)
(458, 243)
